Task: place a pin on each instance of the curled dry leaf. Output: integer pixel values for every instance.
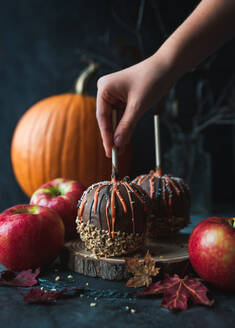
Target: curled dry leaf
(143, 271)
(176, 292)
(36, 295)
(25, 278)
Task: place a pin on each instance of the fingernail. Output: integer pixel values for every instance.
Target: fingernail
(118, 141)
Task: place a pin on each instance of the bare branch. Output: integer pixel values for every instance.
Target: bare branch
(140, 15)
(154, 4)
(138, 28)
(216, 119)
(98, 58)
(224, 92)
(225, 122)
(135, 31)
(122, 23)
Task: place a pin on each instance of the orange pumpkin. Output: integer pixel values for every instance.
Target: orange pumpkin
(59, 137)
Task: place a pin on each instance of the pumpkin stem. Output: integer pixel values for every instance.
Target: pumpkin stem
(84, 77)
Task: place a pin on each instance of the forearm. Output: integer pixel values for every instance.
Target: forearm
(210, 25)
(138, 87)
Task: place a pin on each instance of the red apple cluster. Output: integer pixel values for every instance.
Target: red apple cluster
(61, 195)
(212, 251)
(31, 235)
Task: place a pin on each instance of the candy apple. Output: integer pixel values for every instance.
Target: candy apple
(30, 236)
(61, 195)
(212, 251)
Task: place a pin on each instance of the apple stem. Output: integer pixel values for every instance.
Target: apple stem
(232, 222)
(55, 191)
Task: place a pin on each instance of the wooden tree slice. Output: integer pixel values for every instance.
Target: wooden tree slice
(169, 253)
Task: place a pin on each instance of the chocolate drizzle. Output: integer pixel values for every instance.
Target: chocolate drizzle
(91, 211)
(100, 201)
(116, 206)
(170, 195)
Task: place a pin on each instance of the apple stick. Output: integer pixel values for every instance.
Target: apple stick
(157, 145)
(114, 149)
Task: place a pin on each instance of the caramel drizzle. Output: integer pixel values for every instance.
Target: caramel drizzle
(121, 201)
(167, 183)
(132, 209)
(111, 204)
(151, 177)
(134, 192)
(151, 184)
(96, 196)
(158, 172)
(139, 180)
(170, 181)
(113, 209)
(82, 207)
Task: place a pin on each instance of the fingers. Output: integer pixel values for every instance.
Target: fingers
(104, 118)
(127, 124)
(114, 93)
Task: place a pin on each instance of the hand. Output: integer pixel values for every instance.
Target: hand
(136, 88)
(133, 91)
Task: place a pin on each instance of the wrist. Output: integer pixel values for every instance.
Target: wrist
(163, 71)
(165, 60)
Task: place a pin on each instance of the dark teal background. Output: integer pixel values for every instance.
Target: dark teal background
(40, 55)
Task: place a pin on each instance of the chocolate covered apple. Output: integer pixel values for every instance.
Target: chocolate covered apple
(112, 218)
(171, 202)
(113, 215)
(170, 196)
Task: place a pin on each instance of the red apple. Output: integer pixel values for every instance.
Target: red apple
(30, 236)
(61, 195)
(212, 251)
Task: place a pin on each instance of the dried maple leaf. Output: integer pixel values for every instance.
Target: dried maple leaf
(25, 278)
(176, 292)
(36, 295)
(143, 271)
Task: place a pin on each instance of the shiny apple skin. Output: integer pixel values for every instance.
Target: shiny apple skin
(30, 237)
(65, 204)
(212, 252)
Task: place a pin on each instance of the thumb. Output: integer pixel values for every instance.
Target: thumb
(126, 125)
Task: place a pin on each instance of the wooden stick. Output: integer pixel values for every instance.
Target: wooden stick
(114, 149)
(157, 144)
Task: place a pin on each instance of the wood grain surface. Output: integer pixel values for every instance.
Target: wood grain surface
(169, 253)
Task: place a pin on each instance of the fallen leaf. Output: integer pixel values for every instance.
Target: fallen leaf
(25, 278)
(143, 271)
(176, 292)
(36, 295)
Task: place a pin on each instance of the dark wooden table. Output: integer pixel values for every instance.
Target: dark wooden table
(114, 302)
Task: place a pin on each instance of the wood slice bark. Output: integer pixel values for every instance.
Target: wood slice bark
(170, 254)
